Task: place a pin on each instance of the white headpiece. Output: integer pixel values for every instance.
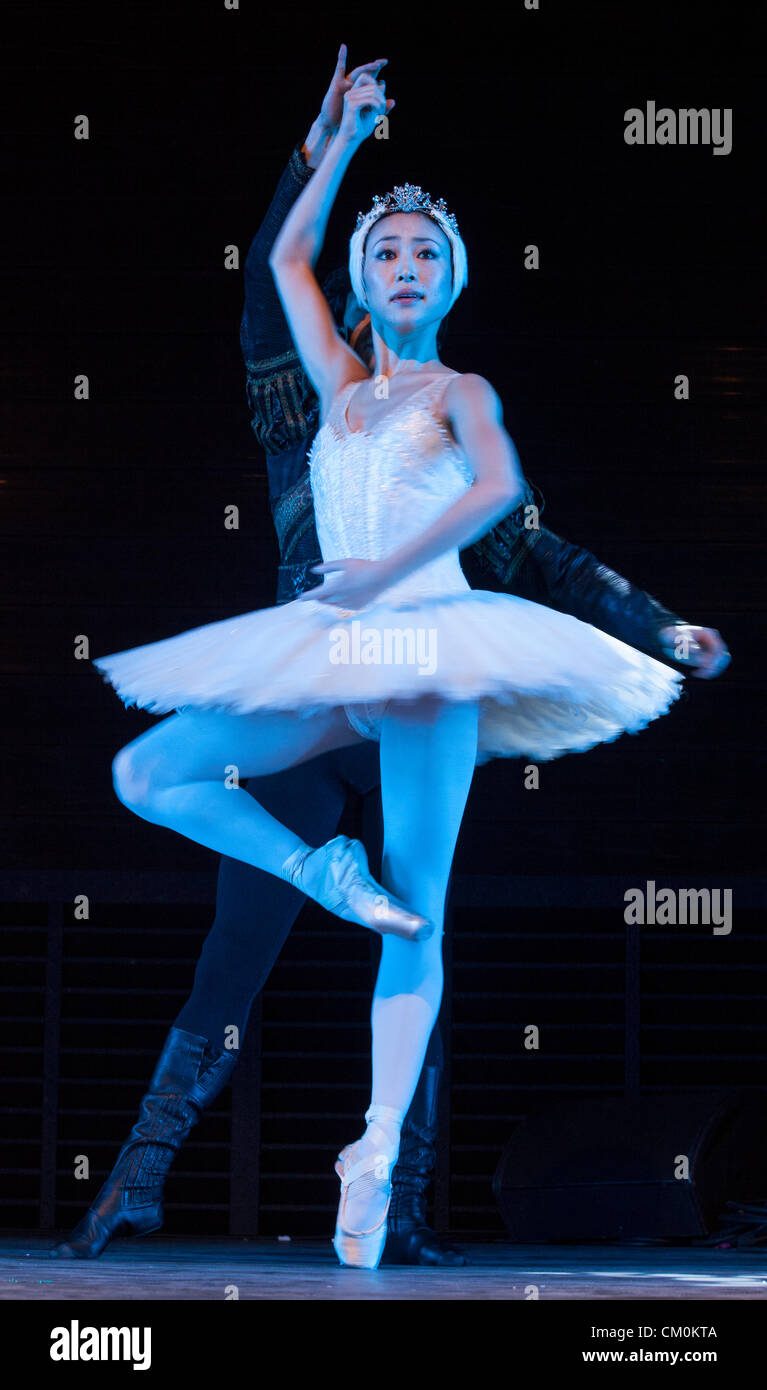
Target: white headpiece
(407, 198)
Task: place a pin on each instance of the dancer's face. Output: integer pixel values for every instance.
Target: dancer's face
(407, 251)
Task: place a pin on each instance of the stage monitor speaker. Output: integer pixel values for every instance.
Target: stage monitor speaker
(614, 1168)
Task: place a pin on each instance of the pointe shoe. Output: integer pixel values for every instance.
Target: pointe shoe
(337, 876)
(361, 1249)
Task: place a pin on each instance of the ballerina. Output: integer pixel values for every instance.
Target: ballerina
(399, 487)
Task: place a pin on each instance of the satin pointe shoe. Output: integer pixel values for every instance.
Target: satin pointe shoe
(338, 877)
(362, 1249)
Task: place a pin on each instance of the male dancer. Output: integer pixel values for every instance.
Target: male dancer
(255, 910)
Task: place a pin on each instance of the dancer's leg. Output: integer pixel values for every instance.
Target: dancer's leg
(372, 836)
(254, 910)
(184, 774)
(254, 913)
(428, 755)
(426, 773)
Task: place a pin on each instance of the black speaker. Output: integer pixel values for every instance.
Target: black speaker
(606, 1169)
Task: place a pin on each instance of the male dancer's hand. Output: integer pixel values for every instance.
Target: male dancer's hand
(332, 109)
(702, 648)
(326, 125)
(364, 103)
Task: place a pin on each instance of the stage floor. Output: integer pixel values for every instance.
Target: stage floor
(174, 1268)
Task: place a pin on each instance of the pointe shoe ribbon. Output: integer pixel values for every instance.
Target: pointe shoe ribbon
(338, 877)
(361, 1249)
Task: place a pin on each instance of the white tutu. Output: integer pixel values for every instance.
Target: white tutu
(547, 683)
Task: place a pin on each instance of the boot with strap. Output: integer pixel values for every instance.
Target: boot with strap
(189, 1074)
(409, 1240)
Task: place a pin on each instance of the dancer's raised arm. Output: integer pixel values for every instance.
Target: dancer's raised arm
(326, 358)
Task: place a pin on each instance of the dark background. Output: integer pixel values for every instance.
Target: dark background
(652, 265)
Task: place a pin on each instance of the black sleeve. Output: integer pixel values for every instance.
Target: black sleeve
(542, 567)
(578, 584)
(264, 331)
(282, 402)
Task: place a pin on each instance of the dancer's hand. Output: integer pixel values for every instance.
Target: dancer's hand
(357, 584)
(364, 102)
(700, 647)
(333, 103)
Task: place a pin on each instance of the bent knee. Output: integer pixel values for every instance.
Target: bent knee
(133, 778)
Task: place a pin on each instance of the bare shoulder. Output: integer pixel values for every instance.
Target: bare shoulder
(477, 425)
(470, 399)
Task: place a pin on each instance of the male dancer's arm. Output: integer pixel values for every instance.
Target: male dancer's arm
(264, 333)
(283, 406)
(536, 564)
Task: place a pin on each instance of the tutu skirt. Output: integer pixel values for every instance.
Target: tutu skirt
(546, 683)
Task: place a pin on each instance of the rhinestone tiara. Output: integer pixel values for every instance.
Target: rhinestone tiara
(408, 197)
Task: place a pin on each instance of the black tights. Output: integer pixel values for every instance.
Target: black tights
(255, 910)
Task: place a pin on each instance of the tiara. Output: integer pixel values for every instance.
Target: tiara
(408, 197)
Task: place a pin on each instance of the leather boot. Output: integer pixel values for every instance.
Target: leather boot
(409, 1240)
(189, 1074)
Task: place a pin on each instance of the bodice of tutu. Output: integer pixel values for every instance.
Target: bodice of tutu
(546, 683)
(376, 489)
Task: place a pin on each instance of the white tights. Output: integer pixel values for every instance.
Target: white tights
(183, 775)
(426, 772)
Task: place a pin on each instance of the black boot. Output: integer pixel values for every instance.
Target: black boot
(189, 1074)
(409, 1240)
